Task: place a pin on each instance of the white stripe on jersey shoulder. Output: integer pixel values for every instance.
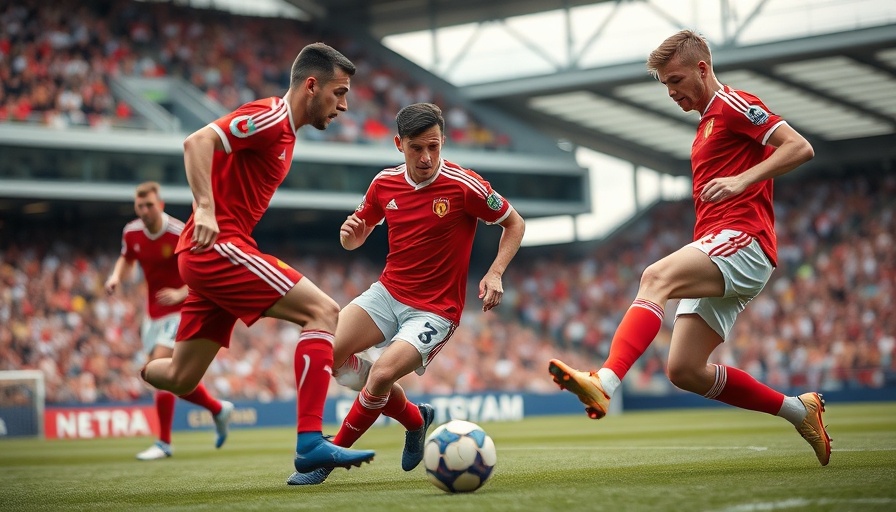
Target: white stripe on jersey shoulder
(134, 225)
(462, 175)
(734, 101)
(175, 226)
(390, 171)
(271, 117)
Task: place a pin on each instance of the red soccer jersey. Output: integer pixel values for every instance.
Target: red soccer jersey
(258, 138)
(431, 228)
(731, 138)
(156, 256)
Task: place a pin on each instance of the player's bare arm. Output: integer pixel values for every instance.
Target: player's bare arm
(354, 232)
(491, 289)
(199, 150)
(122, 267)
(792, 151)
(172, 296)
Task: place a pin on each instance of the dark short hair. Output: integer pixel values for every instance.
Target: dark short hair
(415, 119)
(319, 60)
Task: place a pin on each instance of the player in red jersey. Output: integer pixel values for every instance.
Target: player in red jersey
(150, 240)
(739, 148)
(432, 208)
(234, 165)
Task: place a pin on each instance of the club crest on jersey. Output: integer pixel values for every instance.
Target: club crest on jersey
(441, 206)
(167, 251)
(494, 201)
(756, 115)
(242, 126)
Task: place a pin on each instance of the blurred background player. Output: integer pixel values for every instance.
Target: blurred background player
(739, 148)
(234, 165)
(150, 240)
(431, 207)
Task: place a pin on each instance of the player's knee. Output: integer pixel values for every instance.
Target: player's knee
(653, 279)
(183, 384)
(381, 377)
(684, 377)
(325, 312)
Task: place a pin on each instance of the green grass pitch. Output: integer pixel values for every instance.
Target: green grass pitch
(718, 459)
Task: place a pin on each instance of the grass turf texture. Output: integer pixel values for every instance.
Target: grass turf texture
(717, 459)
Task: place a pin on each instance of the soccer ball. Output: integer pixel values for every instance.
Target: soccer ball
(459, 456)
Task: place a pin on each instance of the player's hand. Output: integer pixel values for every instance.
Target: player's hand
(171, 296)
(491, 291)
(352, 229)
(720, 189)
(111, 284)
(205, 229)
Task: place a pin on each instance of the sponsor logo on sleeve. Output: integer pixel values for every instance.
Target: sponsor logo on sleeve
(494, 201)
(757, 115)
(242, 126)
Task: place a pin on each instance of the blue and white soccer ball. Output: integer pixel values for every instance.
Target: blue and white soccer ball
(459, 456)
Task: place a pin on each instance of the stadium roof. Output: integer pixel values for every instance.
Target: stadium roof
(837, 89)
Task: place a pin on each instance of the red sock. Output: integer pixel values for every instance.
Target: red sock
(637, 330)
(314, 367)
(364, 412)
(738, 388)
(165, 410)
(200, 396)
(400, 409)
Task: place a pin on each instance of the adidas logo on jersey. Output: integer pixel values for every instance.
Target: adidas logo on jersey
(391, 205)
(282, 155)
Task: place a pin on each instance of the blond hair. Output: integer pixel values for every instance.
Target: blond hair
(146, 188)
(687, 45)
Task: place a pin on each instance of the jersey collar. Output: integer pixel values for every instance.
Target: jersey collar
(714, 96)
(292, 123)
(418, 186)
(156, 236)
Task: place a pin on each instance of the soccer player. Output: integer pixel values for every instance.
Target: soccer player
(739, 148)
(234, 165)
(150, 240)
(432, 208)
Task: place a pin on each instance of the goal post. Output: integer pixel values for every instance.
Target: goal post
(22, 398)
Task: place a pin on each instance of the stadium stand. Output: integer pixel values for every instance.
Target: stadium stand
(60, 63)
(825, 321)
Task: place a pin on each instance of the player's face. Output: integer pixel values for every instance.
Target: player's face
(422, 153)
(330, 100)
(686, 84)
(149, 209)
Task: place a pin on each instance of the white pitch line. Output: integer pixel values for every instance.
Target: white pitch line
(802, 503)
(651, 448)
(678, 448)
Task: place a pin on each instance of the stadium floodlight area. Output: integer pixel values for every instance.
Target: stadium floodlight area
(22, 396)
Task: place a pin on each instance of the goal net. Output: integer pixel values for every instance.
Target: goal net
(22, 403)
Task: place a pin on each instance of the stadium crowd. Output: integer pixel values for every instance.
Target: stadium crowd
(58, 61)
(825, 321)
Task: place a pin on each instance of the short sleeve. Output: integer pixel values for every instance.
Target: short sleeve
(748, 116)
(483, 202)
(370, 209)
(252, 125)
